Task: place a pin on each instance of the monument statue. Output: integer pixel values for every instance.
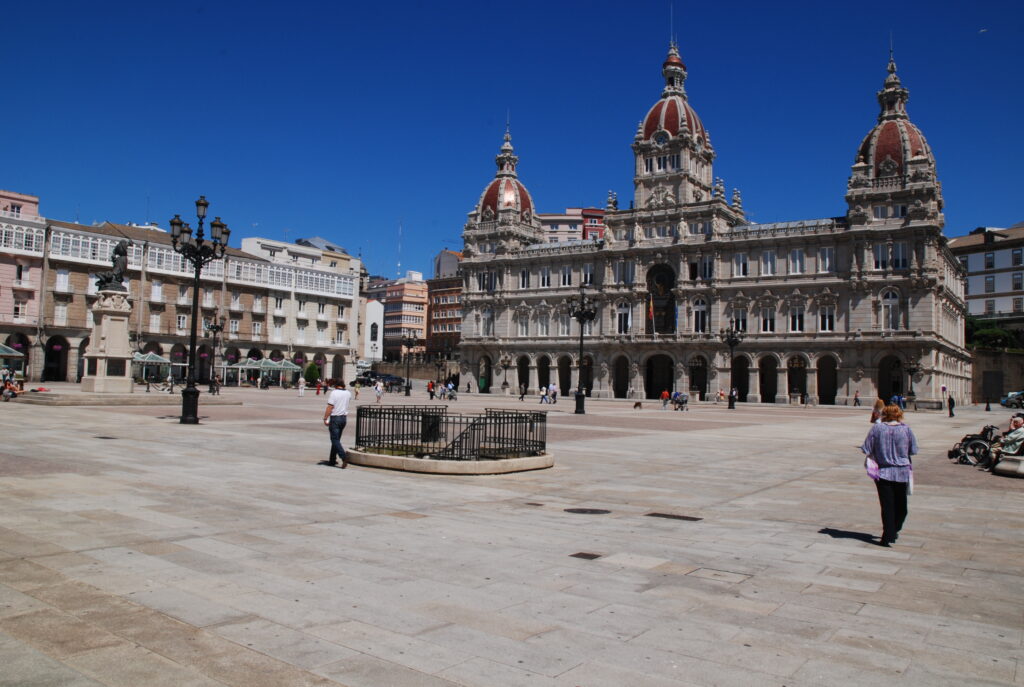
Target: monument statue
(113, 280)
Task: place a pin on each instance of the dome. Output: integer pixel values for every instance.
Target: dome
(894, 141)
(673, 114)
(505, 192)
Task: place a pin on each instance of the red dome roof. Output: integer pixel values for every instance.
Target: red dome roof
(506, 193)
(671, 113)
(897, 140)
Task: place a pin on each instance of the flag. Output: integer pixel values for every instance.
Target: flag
(650, 312)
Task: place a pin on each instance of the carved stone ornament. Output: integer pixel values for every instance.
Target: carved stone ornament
(488, 213)
(858, 374)
(602, 371)
(888, 167)
(826, 297)
(113, 300)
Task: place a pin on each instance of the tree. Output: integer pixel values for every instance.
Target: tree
(312, 373)
(993, 337)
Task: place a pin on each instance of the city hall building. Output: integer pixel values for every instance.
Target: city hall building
(827, 307)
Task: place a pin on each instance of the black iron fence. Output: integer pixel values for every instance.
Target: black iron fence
(424, 431)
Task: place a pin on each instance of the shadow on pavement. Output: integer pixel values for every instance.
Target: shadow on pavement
(846, 534)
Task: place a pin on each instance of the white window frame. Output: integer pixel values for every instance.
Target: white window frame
(768, 263)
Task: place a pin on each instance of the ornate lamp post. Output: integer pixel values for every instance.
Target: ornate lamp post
(198, 251)
(732, 338)
(213, 330)
(912, 369)
(506, 362)
(583, 310)
(408, 342)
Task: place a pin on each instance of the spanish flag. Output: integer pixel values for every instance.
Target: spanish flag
(650, 312)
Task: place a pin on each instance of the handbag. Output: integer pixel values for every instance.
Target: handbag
(910, 482)
(874, 472)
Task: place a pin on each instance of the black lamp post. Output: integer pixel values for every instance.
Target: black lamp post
(912, 369)
(506, 363)
(583, 310)
(198, 251)
(213, 330)
(408, 342)
(732, 338)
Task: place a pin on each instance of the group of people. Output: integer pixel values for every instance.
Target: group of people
(548, 392)
(8, 387)
(680, 400)
(441, 390)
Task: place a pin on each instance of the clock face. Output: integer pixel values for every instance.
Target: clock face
(661, 138)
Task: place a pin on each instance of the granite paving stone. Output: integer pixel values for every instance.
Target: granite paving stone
(149, 563)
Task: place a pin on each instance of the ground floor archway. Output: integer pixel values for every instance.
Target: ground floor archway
(828, 380)
(768, 378)
(565, 375)
(890, 377)
(522, 373)
(55, 360)
(620, 377)
(338, 367)
(18, 342)
(543, 371)
(485, 370)
(698, 378)
(796, 374)
(741, 378)
(658, 375)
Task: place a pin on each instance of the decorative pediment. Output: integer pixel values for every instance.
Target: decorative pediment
(767, 299)
(826, 297)
(739, 301)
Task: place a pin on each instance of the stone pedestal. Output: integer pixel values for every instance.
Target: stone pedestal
(108, 358)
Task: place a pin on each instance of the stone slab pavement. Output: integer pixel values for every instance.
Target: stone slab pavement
(137, 551)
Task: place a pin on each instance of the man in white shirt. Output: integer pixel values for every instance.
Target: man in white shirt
(335, 417)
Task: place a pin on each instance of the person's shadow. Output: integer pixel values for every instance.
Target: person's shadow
(846, 534)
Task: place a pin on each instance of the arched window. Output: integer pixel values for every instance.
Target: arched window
(700, 316)
(622, 318)
(373, 331)
(890, 310)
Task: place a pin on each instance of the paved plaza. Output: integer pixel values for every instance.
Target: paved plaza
(138, 552)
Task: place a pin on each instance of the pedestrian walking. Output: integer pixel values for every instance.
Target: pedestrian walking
(318, 384)
(950, 403)
(430, 389)
(856, 398)
(553, 393)
(378, 389)
(888, 448)
(335, 418)
(544, 395)
(302, 386)
(665, 396)
(522, 391)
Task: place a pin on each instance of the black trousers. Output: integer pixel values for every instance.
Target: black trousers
(892, 497)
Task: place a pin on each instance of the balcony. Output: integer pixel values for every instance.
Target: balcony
(63, 287)
(156, 298)
(278, 312)
(258, 309)
(302, 315)
(341, 317)
(23, 285)
(321, 317)
(235, 306)
(208, 305)
(184, 302)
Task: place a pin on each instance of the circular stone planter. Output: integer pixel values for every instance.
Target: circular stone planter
(450, 467)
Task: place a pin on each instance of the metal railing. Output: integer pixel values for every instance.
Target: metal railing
(430, 431)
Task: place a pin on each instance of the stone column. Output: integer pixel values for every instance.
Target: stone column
(782, 385)
(534, 384)
(812, 385)
(753, 387)
(73, 357)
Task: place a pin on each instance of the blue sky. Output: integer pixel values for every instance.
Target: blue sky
(345, 120)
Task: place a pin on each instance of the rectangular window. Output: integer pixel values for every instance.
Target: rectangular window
(60, 314)
(624, 271)
(768, 319)
(826, 259)
(182, 294)
(154, 323)
(900, 257)
(236, 300)
(740, 267)
(233, 326)
(257, 303)
(1018, 305)
(588, 274)
(278, 303)
(321, 308)
(524, 326)
(1015, 258)
(566, 276)
(278, 331)
(563, 324)
(257, 330)
(990, 307)
(827, 318)
(542, 326)
(622, 318)
(739, 320)
(990, 261)
(182, 322)
(881, 255)
(300, 334)
(1018, 281)
(768, 262)
(796, 318)
(796, 261)
(20, 311)
(63, 280)
(990, 284)
(208, 298)
(524, 279)
(545, 277)
(707, 268)
(648, 165)
(880, 211)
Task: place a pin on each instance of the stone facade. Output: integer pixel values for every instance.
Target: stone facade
(827, 307)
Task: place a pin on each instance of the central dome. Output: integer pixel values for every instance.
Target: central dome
(674, 115)
(505, 192)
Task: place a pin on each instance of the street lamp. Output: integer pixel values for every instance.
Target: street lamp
(912, 369)
(199, 252)
(583, 310)
(506, 362)
(214, 329)
(732, 338)
(408, 342)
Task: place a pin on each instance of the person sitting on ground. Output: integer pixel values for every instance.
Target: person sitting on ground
(10, 390)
